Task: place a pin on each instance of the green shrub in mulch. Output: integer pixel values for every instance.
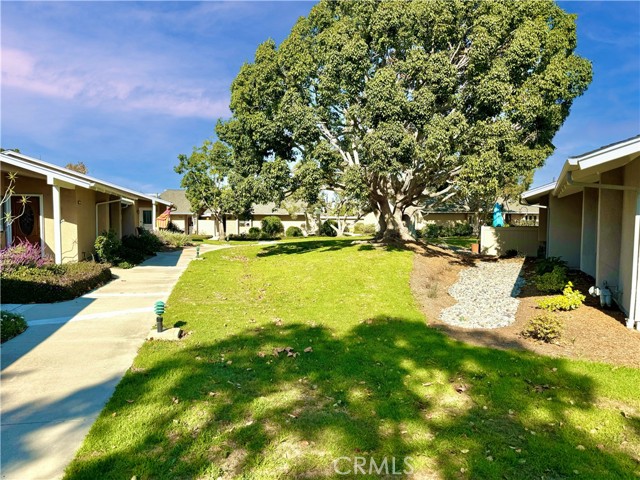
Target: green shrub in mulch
(11, 325)
(553, 281)
(546, 328)
(569, 300)
(52, 283)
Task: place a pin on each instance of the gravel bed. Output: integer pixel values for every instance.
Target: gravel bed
(485, 295)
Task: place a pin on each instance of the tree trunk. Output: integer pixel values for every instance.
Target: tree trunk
(394, 224)
(220, 224)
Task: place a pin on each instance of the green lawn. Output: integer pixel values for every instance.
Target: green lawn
(378, 382)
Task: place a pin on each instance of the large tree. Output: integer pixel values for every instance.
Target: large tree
(404, 102)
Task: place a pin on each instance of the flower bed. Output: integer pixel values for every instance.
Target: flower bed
(11, 325)
(52, 283)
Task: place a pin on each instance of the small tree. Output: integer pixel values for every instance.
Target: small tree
(206, 176)
(8, 216)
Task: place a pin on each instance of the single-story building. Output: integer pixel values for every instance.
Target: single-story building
(181, 215)
(590, 217)
(235, 225)
(66, 210)
(202, 222)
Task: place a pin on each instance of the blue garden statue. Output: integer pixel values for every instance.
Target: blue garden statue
(498, 221)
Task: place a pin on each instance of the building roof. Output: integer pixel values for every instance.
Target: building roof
(182, 206)
(587, 168)
(535, 194)
(271, 209)
(61, 176)
(178, 198)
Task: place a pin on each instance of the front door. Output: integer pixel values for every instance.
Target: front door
(26, 226)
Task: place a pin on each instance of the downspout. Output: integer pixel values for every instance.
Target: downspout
(633, 306)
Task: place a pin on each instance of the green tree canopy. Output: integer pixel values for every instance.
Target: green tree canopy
(403, 102)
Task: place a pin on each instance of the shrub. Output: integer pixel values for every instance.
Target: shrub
(145, 242)
(199, 238)
(272, 226)
(245, 237)
(172, 227)
(294, 232)
(129, 255)
(462, 229)
(547, 265)
(53, 283)
(431, 231)
(108, 246)
(24, 254)
(173, 239)
(11, 325)
(512, 252)
(546, 327)
(364, 228)
(125, 265)
(326, 230)
(569, 300)
(254, 233)
(552, 281)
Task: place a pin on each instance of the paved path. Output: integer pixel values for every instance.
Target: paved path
(57, 376)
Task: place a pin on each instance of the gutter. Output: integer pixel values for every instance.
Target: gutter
(572, 182)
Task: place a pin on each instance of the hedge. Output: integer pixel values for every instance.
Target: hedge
(53, 283)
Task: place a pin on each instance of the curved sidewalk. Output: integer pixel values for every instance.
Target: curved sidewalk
(57, 376)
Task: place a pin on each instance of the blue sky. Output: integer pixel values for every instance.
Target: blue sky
(125, 87)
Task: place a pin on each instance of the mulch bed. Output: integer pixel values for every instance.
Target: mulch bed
(590, 332)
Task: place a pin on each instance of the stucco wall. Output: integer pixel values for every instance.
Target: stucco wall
(86, 218)
(565, 225)
(630, 203)
(69, 225)
(207, 227)
(129, 220)
(543, 222)
(589, 240)
(609, 229)
(497, 241)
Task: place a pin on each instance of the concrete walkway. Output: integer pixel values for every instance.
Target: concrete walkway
(57, 376)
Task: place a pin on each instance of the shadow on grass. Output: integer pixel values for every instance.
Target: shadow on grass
(390, 387)
(305, 246)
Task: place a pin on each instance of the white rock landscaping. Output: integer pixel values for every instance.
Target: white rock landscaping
(485, 295)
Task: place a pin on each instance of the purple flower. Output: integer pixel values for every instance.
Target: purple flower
(23, 254)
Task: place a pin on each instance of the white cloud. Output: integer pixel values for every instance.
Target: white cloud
(110, 84)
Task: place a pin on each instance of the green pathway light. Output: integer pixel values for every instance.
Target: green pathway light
(159, 309)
